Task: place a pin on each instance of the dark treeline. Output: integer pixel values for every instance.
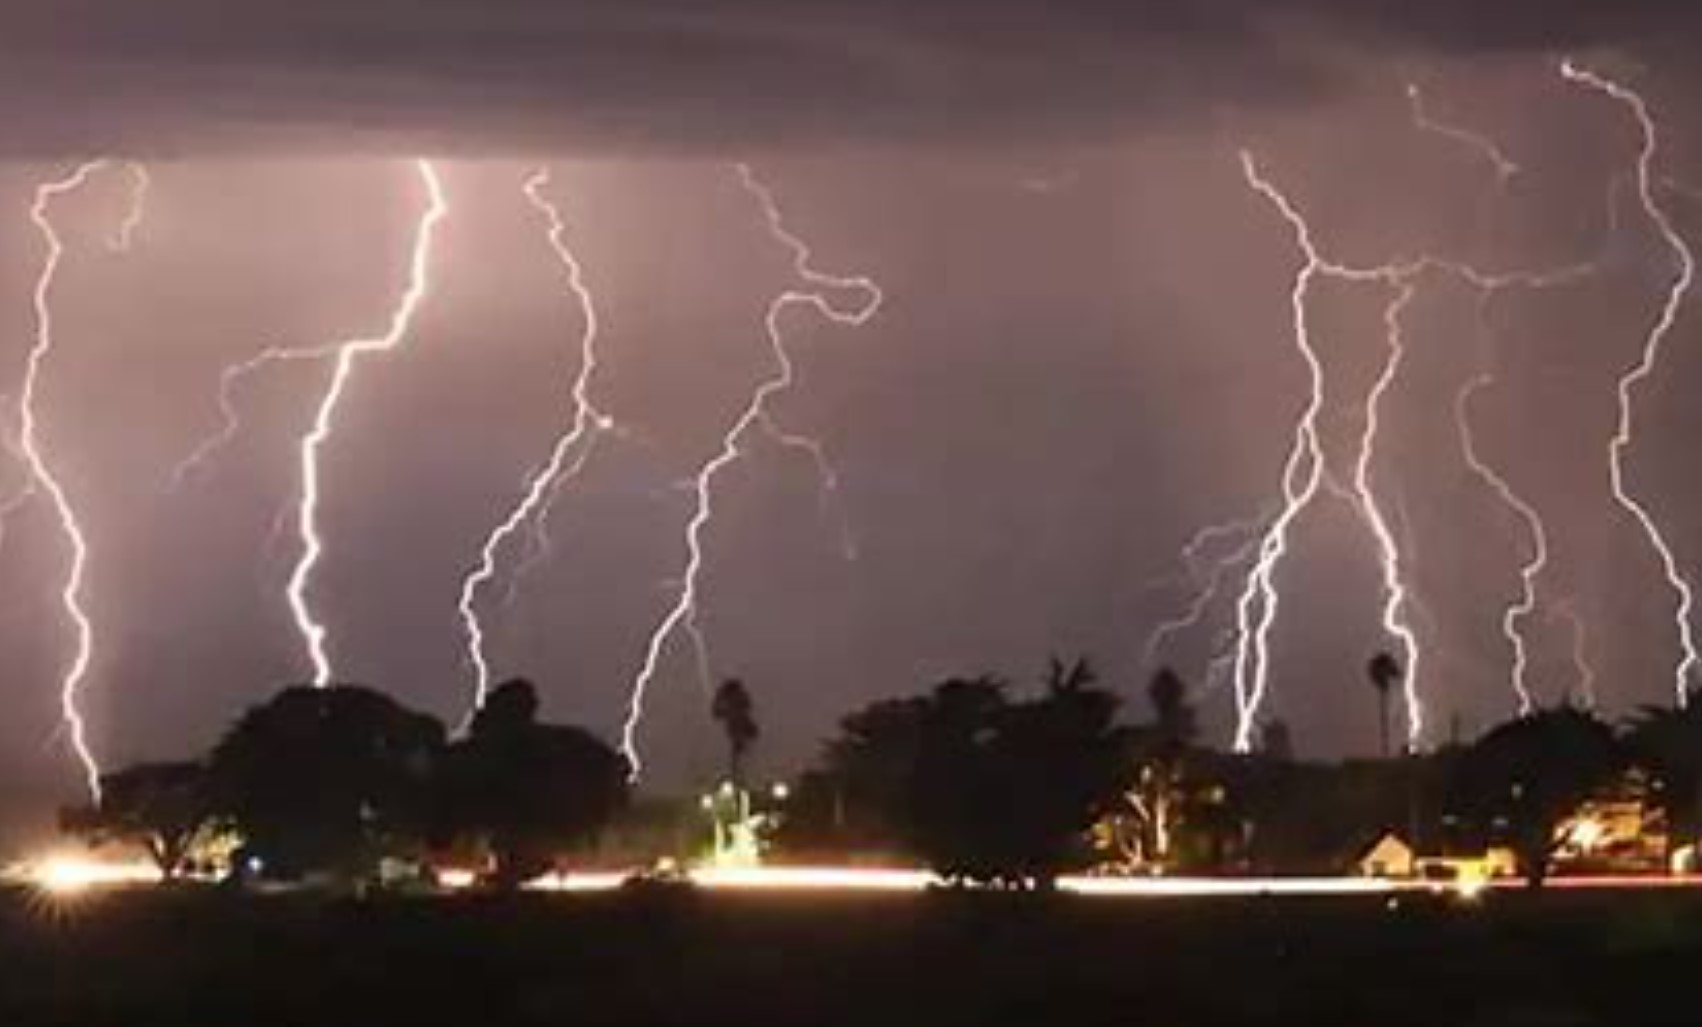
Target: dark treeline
(978, 779)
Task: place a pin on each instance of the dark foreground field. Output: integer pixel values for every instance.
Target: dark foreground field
(200, 959)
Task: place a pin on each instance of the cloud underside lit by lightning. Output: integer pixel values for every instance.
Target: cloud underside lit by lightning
(313, 632)
(818, 293)
(1638, 374)
(568, 455)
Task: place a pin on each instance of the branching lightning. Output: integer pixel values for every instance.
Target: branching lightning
(1304, 472)
(573, 446)
(141, 183)
(312, 631)
(46, 479)
(756, 416)
(1204, 568)
(1689, 658)
(230, 419)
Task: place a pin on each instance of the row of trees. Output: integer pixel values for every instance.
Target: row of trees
(331, 781)
(978, 779)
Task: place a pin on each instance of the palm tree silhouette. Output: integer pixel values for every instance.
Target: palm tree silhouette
(1383, 671)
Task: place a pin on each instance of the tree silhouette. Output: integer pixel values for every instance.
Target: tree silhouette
(735, 711)
(164, 807)
(1667, 743)
(1383, 671)
(1525, 776)
(526, 790)
(977, 785)
(326, 779)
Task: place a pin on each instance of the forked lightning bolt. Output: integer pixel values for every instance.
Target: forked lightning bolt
(756, 416)
(567, 457)
(42, 472)
(313, 632)
(1689, 658)
(1304, 472)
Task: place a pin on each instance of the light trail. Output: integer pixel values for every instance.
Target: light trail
(573, 446)
(1304, 472)
(1640, 372)
(45, 478)
(312, 631)
(756, 416)
(1505, 167)
(1536, 533)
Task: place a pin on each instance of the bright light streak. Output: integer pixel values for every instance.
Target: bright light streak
(1518, 612)
(1689, 658)
(45, 478)
(567, 457)
(312, 631)
(756, 416)
(67, 874)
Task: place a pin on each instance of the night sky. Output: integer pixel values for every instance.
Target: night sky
(1085, 353)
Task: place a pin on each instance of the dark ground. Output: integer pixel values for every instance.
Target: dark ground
(206, 959)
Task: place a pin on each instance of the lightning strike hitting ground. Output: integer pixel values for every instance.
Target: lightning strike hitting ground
(45, 478)
(1689, 658)
(1395, 621)
(567, 457)
(1304, 473)
(755, 416)
(312, 631)
(1518, 612)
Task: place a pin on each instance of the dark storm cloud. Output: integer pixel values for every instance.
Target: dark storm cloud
(77, 74)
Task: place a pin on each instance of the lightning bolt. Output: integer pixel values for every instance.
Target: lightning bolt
(1394, 582)
(44, 478)
(141, 184)
(1645, 367)
(312, 631)
(1304, 472)
(1536, 532)
(230, 418)
(1203, 573)
(1505, 167)
(756, 416)
(1566, 611)
(573, 446)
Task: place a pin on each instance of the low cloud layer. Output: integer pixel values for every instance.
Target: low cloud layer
(683, 74)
